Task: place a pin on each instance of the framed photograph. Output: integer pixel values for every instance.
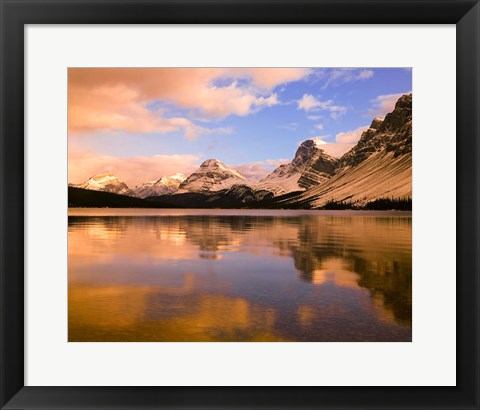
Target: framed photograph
(240, 205)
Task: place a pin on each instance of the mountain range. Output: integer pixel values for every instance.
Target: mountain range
(377, 168)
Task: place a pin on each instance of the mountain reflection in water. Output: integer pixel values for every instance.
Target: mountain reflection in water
(244, 276)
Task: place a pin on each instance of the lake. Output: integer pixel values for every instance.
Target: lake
(179, 275)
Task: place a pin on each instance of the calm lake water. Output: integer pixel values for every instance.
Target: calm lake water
(239, 275)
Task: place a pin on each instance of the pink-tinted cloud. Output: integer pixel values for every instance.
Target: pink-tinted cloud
(254, 171)
(350, 137)
(117, 108)
(270, 77)
(344, 142)
(133, 170)
(384, 104)
(117, 98)
(276, 162)
(334, 149)
(258, 170)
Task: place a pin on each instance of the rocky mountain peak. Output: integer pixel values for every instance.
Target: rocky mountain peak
(318, 167)
(310, 166)
(211, 163)
(400, 116)
(376, 123)
(307, 144)
(394, 133)
(305, 152)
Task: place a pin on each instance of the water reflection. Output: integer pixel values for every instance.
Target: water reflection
(276, 277)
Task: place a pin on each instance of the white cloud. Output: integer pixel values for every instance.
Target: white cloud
(291, 126)
(267, 102)
(314, 117)
(364, 74)
(347, 75)
(309, 103)
(319, 127)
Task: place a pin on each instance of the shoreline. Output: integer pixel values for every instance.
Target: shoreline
(76, 211)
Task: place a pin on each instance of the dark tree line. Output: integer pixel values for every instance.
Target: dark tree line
(381, 204)
(85, 198)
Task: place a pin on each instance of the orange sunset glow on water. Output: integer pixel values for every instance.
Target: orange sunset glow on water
(194, 277)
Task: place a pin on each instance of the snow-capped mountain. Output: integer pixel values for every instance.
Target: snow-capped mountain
(379, 166)
(162, 186)
(310, 166)
(107, 182)
(212, 175)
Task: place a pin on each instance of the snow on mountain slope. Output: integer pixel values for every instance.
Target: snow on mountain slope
(107, 182)
(162, 186)
(379, 166)
(382, 175)
(310, 166)
(212, 175)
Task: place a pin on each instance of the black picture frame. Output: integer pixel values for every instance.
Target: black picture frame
(15, 14)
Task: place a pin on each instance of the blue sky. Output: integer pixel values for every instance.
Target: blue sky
(127, 123)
